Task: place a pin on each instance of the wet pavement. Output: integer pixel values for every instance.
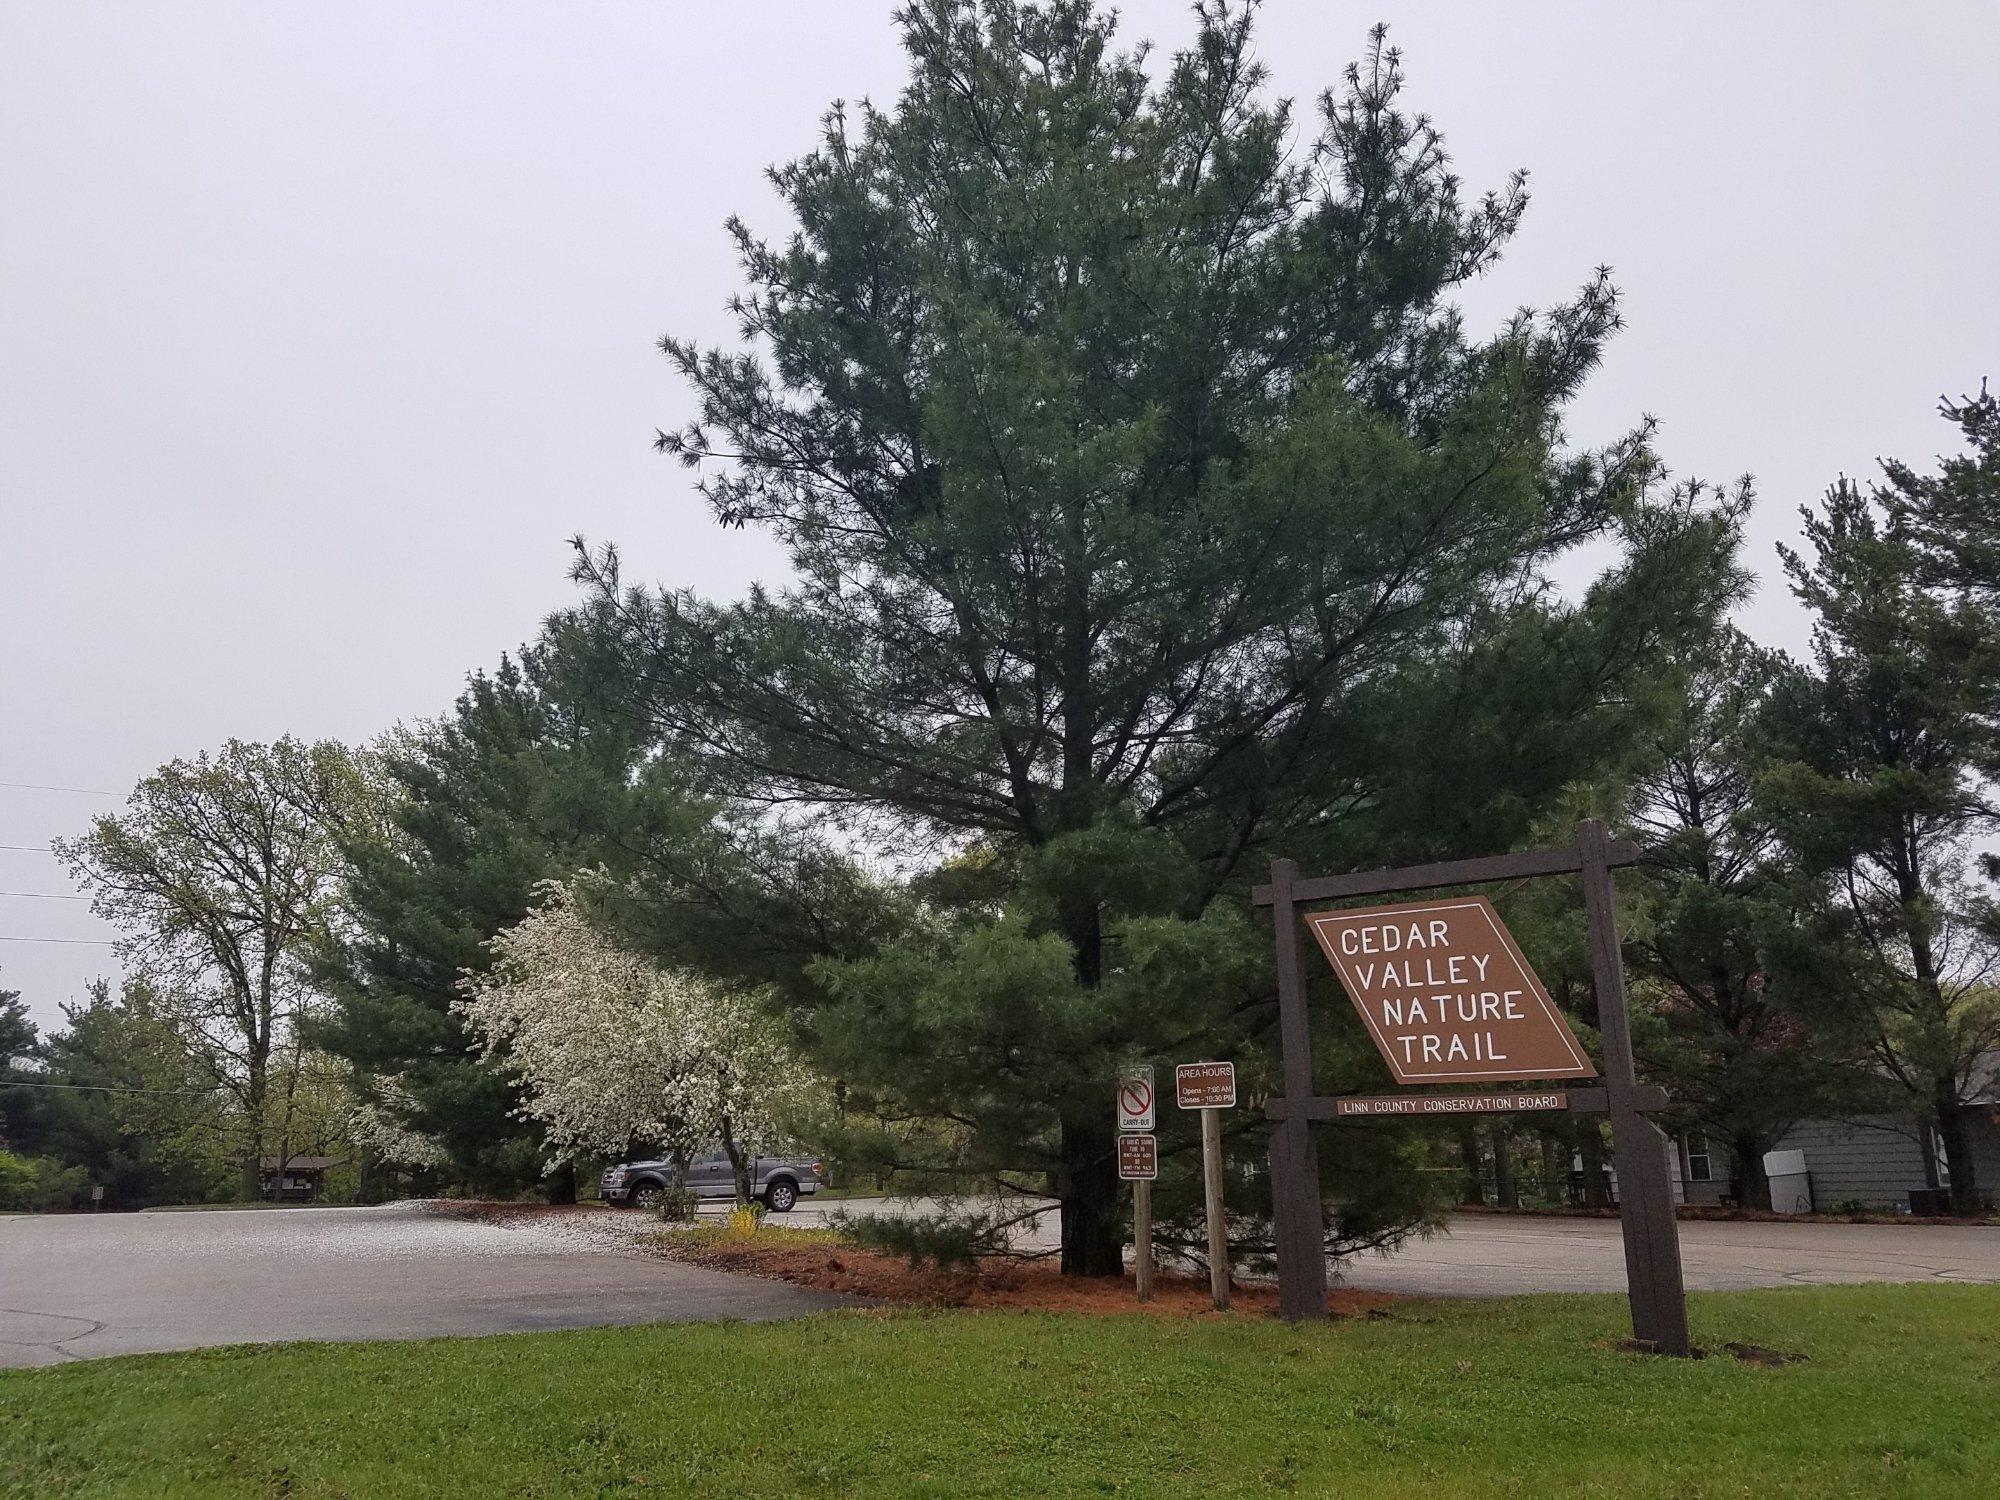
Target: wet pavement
(77, 1285)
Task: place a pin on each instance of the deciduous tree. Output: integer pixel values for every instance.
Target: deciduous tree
(612, 1049)
(223, 872)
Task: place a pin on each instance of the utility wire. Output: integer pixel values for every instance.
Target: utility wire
(41, 896)
(29, 848)
(81, 942)
(81, 791)
(108, 1088)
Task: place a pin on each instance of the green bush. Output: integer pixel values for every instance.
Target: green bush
(675, 1205)
(37, 1182)
(956, 1237)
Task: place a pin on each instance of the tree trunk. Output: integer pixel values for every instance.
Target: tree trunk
(561, 1183)
(1087, 1183)
(1472, 1181)
(1748, 1181)
(256, 1096)
(739, 1167)
(1596, 1190)
(1957, 1143)
(1088, 1189)
(1555, 1168)
(1504, 1191)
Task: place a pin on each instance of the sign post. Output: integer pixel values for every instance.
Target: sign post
(1447, 996)
(1139, 1163)
(1211, 1087)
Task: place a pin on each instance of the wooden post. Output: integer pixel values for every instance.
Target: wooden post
(1142, 1237)
(1645, 1196)
(1218, 1224)
(1300, 1222)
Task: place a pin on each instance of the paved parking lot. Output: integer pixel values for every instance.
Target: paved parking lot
(72, 1286)
(1490, 1255)
(76, 1285)
(1496, 1255)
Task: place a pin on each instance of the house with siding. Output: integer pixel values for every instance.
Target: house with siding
(1878, 1161)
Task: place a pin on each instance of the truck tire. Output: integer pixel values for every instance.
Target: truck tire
(645, 1194)
(779, 1196)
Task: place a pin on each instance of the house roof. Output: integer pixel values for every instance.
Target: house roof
(302, 1163)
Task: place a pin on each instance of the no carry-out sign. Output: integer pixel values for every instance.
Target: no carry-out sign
(1135, 1099)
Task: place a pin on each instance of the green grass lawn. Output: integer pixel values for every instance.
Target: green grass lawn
(1900, 1396)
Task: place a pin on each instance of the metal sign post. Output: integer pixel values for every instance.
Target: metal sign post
(1139, 1164)
(1211, 1087)
(1447, 996)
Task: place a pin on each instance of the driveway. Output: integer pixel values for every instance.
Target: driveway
(1496, 1255)
(1490, 1255)
(77, 1285)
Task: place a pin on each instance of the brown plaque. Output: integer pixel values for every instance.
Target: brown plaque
(1451, 1104)
(1138, 1158)
(1446, 993)
(1205, 1085)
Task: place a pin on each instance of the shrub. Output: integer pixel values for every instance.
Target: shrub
(675, 1205)
(955, 1237)
(38, 1182)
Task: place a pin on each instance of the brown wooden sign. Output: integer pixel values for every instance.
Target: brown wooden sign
(1205, 1085)
(1138, 1158)
(1423, 955)
(1450, 1104)
(1446, 993)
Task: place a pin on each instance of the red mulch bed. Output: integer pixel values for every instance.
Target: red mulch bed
(996, 1283)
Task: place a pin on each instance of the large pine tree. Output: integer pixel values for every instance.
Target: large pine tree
(1152, 509)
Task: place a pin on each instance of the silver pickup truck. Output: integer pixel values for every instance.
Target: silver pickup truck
(780, 1181)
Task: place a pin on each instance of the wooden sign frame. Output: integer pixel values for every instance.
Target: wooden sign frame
(1645, 1192)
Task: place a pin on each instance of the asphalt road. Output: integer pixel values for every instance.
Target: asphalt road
(77, 1285)
(1490, 1255)
(1494, 1255)
(73, 1286)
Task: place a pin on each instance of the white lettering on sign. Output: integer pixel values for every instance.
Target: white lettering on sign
(1446, 993)
(1450, 1104)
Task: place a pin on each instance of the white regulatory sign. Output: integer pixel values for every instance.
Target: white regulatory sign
(1135, 1099)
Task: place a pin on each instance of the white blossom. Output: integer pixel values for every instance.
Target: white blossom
(613, 1049)
(378, 1127)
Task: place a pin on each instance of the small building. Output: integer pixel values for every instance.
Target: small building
(1881, 1162)
(297, 1179)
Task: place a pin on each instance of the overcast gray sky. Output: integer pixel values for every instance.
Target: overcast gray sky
(322, 326)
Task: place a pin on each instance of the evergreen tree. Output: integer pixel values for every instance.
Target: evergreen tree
(1733, 1044)
(1152, 511)
(507, 791)
(1876, 748)
(139, 1113)
(1953, 516)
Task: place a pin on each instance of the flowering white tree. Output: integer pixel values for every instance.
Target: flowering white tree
(612, 1049)
(377, 1126)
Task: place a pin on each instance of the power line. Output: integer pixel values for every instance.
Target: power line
(29, 848)
(107, 1088)
(81, 942)
(81, 791)
(41, 896)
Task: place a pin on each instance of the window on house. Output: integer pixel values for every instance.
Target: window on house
(1697, 1167)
